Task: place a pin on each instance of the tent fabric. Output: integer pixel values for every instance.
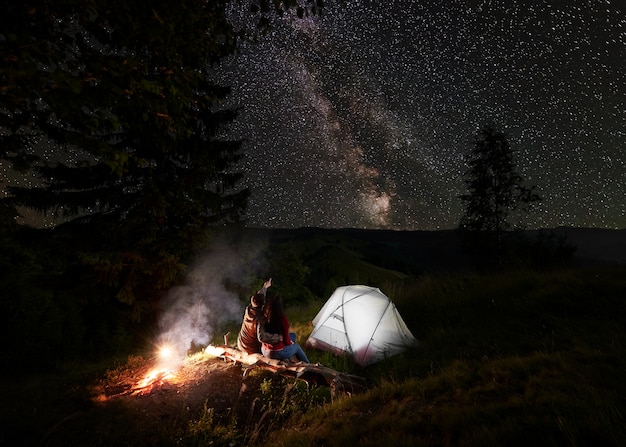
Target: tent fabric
(360, 321)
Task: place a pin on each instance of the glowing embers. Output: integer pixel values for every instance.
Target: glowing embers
(154, 377)
(164, 371)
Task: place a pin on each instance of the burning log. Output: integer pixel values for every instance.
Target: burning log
(340, 383)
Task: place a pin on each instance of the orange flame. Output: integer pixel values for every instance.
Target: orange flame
(155, 376)
(159, 374)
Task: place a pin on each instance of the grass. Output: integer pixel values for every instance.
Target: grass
(520, 358)
(517, 359)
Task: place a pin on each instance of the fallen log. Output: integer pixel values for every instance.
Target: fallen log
(339, 383)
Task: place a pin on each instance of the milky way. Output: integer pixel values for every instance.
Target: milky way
(364, 117)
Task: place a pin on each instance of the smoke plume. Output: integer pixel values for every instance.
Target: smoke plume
(207, 300)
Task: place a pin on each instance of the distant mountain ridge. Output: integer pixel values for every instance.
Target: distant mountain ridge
(596, 244)
(441, 250)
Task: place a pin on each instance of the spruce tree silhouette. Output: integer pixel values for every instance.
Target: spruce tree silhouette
(495, 191)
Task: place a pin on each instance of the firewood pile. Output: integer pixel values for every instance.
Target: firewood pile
(339, 383)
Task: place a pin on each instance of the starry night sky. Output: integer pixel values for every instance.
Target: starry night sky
(364, 117)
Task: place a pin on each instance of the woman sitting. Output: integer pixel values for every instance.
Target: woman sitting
(276, 322)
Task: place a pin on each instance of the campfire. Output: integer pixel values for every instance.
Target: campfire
(163, 372)
(155, 377)
(141, 376)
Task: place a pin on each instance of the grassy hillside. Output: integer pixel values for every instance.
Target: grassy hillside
(513, 358)
(335, 260)
(409, 252)
(510, 359)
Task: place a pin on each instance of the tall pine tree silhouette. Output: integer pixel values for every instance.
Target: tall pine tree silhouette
(495, 191)
(112, 106)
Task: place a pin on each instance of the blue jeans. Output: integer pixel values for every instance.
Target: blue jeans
(288, 351)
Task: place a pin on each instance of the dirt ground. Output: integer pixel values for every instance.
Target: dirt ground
(129, 405)
(223, 385)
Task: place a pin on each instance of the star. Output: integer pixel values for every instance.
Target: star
(364, 116)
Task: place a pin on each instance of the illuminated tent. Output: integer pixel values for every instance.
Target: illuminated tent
(360, 321)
